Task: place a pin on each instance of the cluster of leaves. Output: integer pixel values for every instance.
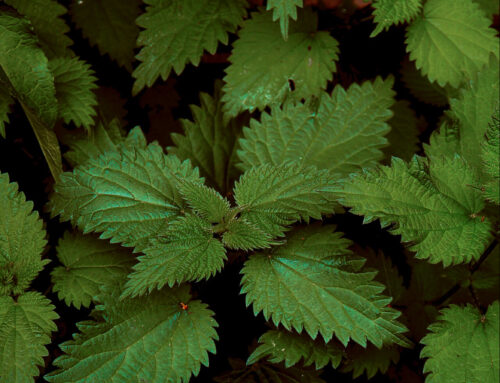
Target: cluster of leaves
(265, 160)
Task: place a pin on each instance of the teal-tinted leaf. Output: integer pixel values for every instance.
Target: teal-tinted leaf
(265, 70)
(240, 234)
(313, 282)
(204, 200)
(150, 339)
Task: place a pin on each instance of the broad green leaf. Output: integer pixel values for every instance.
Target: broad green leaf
(204, 200)
(265, 70)
(241, 234)
(25, 73)
(88, 264)
(313, 282)
(128, 196)
(343, 135)
(394, 12)
(5, 103)
(148, 339)
(74, 82)
(451, 41)
(279, 345)
(193, 27)
(25, 326)
(444, 142)
(50, 28)
(370, 360)
(403, 137)
(282, 10)
(264, 372)
(100, 139)
(491, 160)
(22, 240)
(477, 102)
(110, 25)
(437, 212)
(271, 197)
(209, 141)
(186, 251)
(463, 346)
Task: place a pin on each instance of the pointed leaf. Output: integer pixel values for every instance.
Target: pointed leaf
(370, 360)
(394, 12)
(241, 234)
(282, 10)
(204, 200)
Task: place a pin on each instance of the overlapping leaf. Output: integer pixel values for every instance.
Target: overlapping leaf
(151, 339)
(265, 70)
(463, 345)
(25, 327)
(193, 27)
(209, 141)
(128, 196)
(313, 282)
(369, 360)
(88, 264)
(451, 41)
(282, 10)
(22, 240)
(437, 212)
(241, 234)
(344, 134)
(50, 28)
(205, 201)
(74, 82)
(186, 251)
(110, 25)
(393, 12)
(491, 160)
(271, 197)
(278, 346)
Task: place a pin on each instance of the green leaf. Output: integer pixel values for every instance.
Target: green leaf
(271, 197)
(74, 82)
(437, 212)
(462, 346)
(313, 282)
(209, 141)
(204, 200)
(5, 103)
(110, 25)
(47, 23)
(24, 72)
(403, 137)
(128, 196)
(370, 360)
(325, 138)
(26, 68)
(88, 264)
(265, 70)
(240, 234)
(193, 27)
(186, 251)
(394, 12)
(263, 372)
(150, 339)
(473, 109)
(22, 240)
(421, 88)
(489, 7)
(282, 10)
(25, 327)
(491, 160)
(279, 345)
(451, 41)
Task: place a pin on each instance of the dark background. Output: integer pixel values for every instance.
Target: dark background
(361, 57)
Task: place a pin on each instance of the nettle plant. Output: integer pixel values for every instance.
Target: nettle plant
(286, 147)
